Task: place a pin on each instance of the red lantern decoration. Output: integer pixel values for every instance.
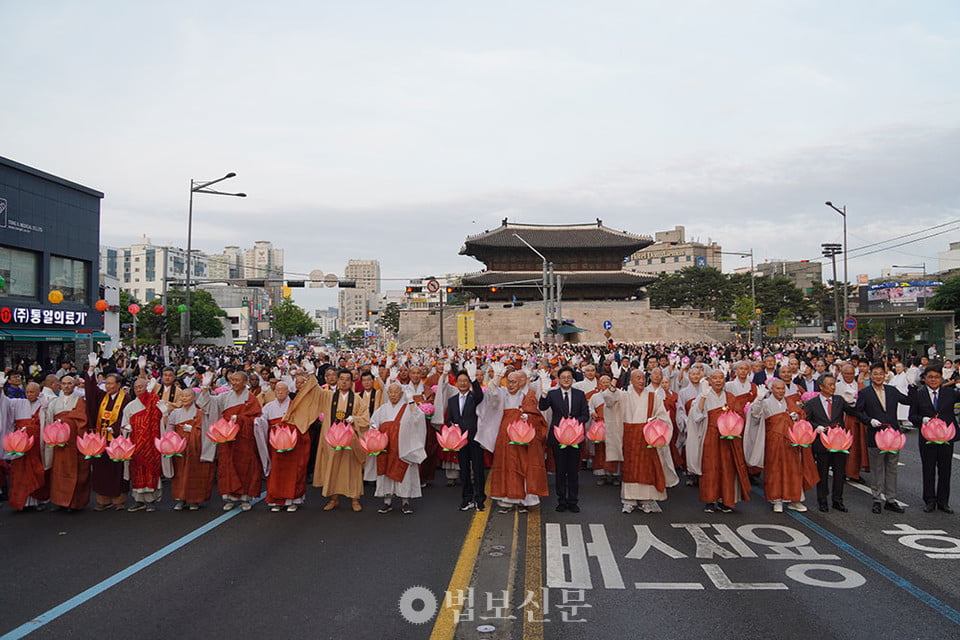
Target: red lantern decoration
(134, 308)
(158, 309)
(101, 305)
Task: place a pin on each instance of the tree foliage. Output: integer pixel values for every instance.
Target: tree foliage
(947, 296)
(290, 320)
(390, 317)
(205, 316)
(708, 288)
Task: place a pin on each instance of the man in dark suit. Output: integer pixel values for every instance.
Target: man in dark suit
(823, 412)
(462, 412)
(877, 406)
(770, 370)
(933, 400)
(565, 402)
(806, 381)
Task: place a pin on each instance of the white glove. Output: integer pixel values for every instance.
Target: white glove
(446, 366)
(375, 371)
(142, 363)
(394, 373)
(471, 368)
(349, 420)
(151, 385)
(821, 429)
(524, 417)
(92, 360)
(164, 407)
(3, 378)
(233, 418)
(874, 422)
(615, 369)
(544, 384)
(926, 420)
(206, 379)
(308, 366)
(498, 369)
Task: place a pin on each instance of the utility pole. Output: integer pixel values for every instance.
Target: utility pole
(831, 250)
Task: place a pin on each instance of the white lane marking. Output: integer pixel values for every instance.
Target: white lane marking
(857, 485)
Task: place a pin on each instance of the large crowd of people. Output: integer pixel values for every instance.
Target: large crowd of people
(237, 422)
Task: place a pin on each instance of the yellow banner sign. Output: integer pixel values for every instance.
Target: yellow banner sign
(466, 339)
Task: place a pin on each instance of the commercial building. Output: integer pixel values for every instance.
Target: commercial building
(49, 282)
(671, 252)
(146, 270)
(354, 303)
(949, 260)
(328, 320)
(247, 310)
(803, 273)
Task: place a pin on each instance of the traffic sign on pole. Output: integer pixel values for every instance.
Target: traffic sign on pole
(850, 323)
(433, 286)
(607, 325)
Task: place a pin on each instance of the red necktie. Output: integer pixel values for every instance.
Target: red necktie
(829, 408)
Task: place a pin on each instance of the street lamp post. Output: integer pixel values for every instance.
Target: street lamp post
(197, 186)
(846, 299)
(753, 291)
(831, 250)
(545, 288)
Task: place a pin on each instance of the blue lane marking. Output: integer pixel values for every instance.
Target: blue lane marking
(934, 603)
(74, 602)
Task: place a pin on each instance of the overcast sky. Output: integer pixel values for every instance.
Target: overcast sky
(393, 129)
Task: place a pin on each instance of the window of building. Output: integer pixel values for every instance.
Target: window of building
(676, 258)
(70, 277)
(663, 260)
(20, 271)
(688, 258)
(649, 260)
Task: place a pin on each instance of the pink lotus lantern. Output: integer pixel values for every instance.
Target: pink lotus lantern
(936, 431)
(17, 442)
(801, 434)
(730, 425)
(890, 440)
(657, 434)
(597, 432)
(320, 417)
(56, 434)
(120, 449)
(451, 438)
(283, 439)
(746, 408)
(685, 360)
(427, 408)
(837, 440)
(569, 433)
(808, 395)
(221, 389)
(374, 442)
(433, 388)
(170, 444)
(91, 445)
(223, 431)
(521, 432)
(757, 354)
(339, 436)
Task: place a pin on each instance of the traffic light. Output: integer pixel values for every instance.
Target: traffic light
(553, 325)
(347, 284)
(494, 289)
(372, 313)
(256, 283)
(296, 284)
(414, 289)
(451, 289)
(163, 324)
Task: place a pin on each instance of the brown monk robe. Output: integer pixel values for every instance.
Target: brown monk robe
(104, 411)
(518, 475)
(788, 470)
(70, 473)
(28, 480)
(719, 461)
(848, 386)
(193, 473)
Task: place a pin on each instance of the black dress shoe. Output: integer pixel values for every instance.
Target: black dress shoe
(561, 507)
(573, 508)
(893, 506)
(823, 507)
(839, 506)
(945, 508)
(877, 507)
(930, 506)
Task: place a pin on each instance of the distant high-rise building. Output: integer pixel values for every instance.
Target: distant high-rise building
(145, 270)
(803, 273)
(227, 265)
(357, 302)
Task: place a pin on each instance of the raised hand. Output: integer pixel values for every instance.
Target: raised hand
(92, 359)
(151, 384)
(206, 380)
(471, 369)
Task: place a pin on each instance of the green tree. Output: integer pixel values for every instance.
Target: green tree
(289, 320)
(946, 297)
(698, 287)
(743, 310)
(205, 316)
(390, 317)
(334, 338)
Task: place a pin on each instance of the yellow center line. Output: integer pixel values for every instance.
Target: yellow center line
(446, 623)
(533, 579)
(512, 567)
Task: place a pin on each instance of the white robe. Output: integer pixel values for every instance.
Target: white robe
(632, 407)
(261, 429)
(755, 429)
(57, 404)
(411, 438)
(182, 415)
